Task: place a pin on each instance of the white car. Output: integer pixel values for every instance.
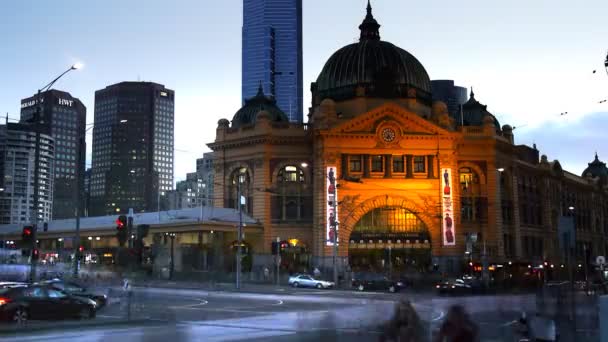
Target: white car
(305, 280)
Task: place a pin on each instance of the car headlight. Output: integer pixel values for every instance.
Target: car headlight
(399, 284)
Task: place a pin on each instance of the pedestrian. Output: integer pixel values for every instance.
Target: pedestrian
(404, 326)
(316, 273)
(266, 273)
(457, 327)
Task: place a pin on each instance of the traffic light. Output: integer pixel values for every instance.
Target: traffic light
(121, 229)
(27, 235)
(35, 254)
(121, 222)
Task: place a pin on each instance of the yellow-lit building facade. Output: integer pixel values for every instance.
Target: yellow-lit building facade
(416, 189)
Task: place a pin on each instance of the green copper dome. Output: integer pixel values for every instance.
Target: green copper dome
(381, 68)
(248, 113)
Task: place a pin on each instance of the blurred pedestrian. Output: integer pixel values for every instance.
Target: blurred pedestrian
(404, 326)
(266, 273)
(458, 327)
(317, 273)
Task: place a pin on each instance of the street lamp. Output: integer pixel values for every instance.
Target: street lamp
(36, 121)
(78, 193)
(241, 176)
(171, 263)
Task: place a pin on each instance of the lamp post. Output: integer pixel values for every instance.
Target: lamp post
(171, 260)
(240, 228)
(78, 195)
(36, 121)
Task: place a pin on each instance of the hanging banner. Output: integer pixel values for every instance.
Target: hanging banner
(332, 208)
(449, 228)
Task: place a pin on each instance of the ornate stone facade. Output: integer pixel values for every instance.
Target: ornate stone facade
(391, 154)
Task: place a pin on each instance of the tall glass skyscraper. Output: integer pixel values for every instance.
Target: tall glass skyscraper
(272, 53)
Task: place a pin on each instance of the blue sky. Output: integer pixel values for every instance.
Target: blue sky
(528, 61)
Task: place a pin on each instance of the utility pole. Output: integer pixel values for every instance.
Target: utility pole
(239, 233)
(278, 259)
(335, 229)
(172, 264)
(37, 127)
(81, 144)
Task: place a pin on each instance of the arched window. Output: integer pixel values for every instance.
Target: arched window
(390, 220)
(241, 176)
(291, 196)
(473, 206)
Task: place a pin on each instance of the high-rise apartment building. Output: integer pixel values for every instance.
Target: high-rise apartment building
(132, 147)
(272, 53)
(17, 174)
(64, 118)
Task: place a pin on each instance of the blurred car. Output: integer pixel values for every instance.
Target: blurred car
(305, 280)
(373, 281)
(74, 289)
(37, 302)
(10, 284)
(454, 286)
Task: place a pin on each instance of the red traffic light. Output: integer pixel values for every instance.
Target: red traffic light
(27, 231)
(81, 248)
(121, 222)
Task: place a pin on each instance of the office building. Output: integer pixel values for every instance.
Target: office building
(17, 174)
(452, 95)
(132, 147)
(87, 192)
(64, 117)
(185, 195)
(205, 174)
(272, 53)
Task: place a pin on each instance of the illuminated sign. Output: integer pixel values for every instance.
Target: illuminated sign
(31, 103)
(448, 220)
(163, 94)
(64, 102)
(331, 219)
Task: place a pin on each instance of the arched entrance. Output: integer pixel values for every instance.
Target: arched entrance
(390, 239)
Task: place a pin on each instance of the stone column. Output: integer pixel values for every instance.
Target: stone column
(388, 166)
(408, 166)
(516, 218)
(430, 161)
(366, 166)
(344, 169)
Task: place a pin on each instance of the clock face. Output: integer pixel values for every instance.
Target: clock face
(388, 134)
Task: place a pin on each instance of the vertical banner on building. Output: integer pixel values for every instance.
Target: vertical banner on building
(332, 206)
(449, 229)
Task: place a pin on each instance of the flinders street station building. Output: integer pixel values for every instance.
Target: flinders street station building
(401, 183)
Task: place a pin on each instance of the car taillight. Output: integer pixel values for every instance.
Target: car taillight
(4, 300)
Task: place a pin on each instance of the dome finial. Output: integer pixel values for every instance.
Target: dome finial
(472, 93)
(260, 90)
(370, 27)
(596, 157)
